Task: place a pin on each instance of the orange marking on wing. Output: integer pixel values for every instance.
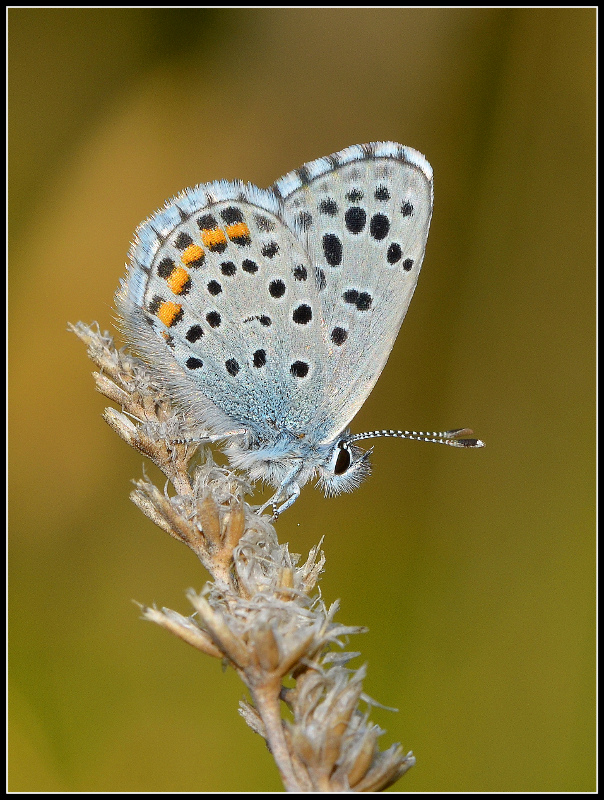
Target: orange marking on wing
(178, 280)
(238, 231)
(169, 312)
(213, 237)
(193, 253)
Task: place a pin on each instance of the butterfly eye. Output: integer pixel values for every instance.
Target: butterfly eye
(347, 467)
(342, 461)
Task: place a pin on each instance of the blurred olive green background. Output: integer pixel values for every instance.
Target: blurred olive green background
(474, 570)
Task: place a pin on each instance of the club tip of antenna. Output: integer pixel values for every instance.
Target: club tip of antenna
(455, 441)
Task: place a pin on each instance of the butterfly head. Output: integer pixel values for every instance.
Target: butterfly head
(347, 465)
(345, 468)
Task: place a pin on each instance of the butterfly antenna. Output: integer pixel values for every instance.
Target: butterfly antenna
(440, 437)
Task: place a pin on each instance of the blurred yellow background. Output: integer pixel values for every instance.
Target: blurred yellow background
(474, 570)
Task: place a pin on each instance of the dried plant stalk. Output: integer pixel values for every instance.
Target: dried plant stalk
(259, 613)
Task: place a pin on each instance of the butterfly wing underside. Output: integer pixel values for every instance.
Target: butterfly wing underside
(363, 217)
(229, 296)
(276, 309)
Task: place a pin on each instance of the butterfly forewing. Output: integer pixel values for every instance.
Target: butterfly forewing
(364, 224)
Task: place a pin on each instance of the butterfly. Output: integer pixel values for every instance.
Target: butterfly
(269, 314)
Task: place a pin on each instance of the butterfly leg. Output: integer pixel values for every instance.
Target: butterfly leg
(277, 510)
(212, 439)
(208, 438)
(295, 494)
(290, 489)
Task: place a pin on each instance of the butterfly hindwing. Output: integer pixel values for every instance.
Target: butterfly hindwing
(229, 293)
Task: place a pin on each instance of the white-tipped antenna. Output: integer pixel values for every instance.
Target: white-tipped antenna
(440, 437)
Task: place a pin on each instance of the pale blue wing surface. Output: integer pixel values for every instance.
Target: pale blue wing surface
(363, 216)
(229, 296)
